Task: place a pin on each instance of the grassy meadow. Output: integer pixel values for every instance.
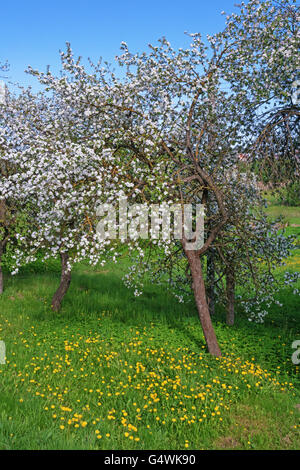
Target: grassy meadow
(111, 371)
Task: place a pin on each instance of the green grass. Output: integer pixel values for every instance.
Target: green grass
(136, 372)
(290, 216)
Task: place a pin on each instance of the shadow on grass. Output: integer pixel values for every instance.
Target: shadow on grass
(96, 293)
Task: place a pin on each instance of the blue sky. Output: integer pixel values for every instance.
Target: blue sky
(32, 32)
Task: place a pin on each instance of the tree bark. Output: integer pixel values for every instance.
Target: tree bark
(200, 298)
(1, 273)
(2, 251)
(211, 281)
(230, 287)
(64, 285)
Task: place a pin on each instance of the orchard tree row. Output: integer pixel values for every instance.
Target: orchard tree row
(170, 130)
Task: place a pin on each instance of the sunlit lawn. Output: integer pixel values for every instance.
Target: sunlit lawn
(112, 371)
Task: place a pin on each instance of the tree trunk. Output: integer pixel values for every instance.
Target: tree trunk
(230, 287)
(64, 285)
(3, 244)
(200, 298)
(1, 273)
(211, 281)
(2, 251)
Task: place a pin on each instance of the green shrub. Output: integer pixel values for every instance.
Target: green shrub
(290, 195)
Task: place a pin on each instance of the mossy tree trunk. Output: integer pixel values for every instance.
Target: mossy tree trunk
(230, 293)
(64, 285)
(201, 302)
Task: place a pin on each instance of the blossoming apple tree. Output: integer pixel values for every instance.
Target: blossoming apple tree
(168, 132)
